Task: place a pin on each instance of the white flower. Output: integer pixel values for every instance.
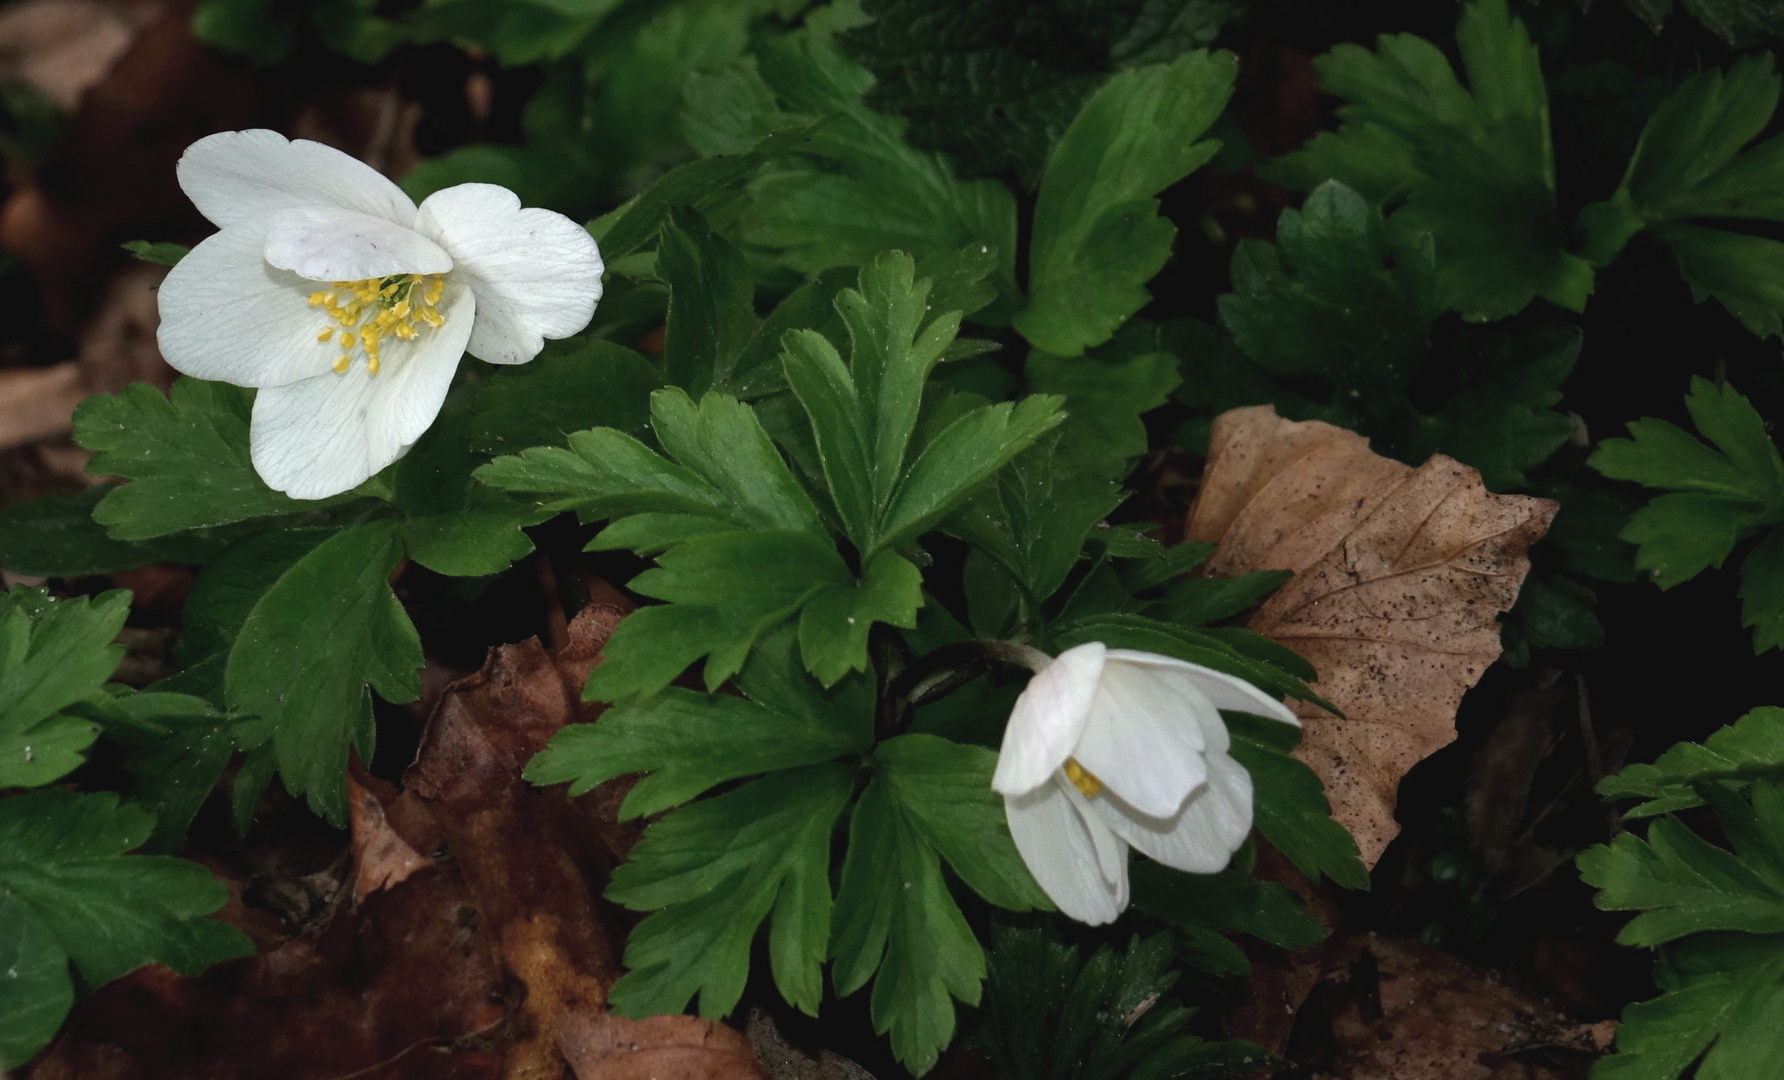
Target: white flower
(1111, 748)
(348, 307)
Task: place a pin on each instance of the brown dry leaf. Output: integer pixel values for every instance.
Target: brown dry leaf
(1393, 1009)
(36, 402)
(783, 1060)
(1400, 574)
(477, 920)
(599, 1046)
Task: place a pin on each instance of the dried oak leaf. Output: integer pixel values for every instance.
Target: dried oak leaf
(1390, 1007)
(476, 919)
(1400, 574)
(600, 1046)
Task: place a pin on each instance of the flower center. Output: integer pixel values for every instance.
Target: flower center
(366, 312)
(1082, 779)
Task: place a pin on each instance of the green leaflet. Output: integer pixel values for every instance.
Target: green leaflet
(1723, 493)
(69, 895)
(1473, 167)
(689, 742)
(864, 414)
(572, 386)
(53, 654)
(56, 536)
(1690, 166)
(1097, 234)
(1683, 884)
(711, 872)
(1291, 809)
(994, 82)
(855, 189)
(186, 457)
(1751, 748)
(1719, 993)
(1049, 1015)
(313, 646)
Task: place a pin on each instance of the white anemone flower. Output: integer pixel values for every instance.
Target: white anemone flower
(1108, 749)
(347, 307)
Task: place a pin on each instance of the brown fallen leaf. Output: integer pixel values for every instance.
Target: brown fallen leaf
(784, 1060)
(1391, 1008)
(1400, 574)
(600, 1046)
(35, 402)
(476, 921)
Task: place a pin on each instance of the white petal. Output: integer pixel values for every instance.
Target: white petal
(1047, 719)
(1144, 738)
(421, 377)
(1226, 691)
(227, 315)
(245, 177)
(326, 435)
(1065, 850)
(325, 244)
(536, 273)
(1201, 837)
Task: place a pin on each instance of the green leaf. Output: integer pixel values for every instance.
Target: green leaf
(944, 789)
(1097, 234)
(453, 526)
(711, 302)
(325, 632)
(833, 626)
(857, 188)
(1036, 515)
(1230, 900)
(961, 457)
(1200, 601)
(690, 742)
(728, 469)
(1474, 166)
(1255, 659)
(573, 385)
(1291, 809)
(1050, 1016)
(1335, 296)
(1744, 273)
(864, 414)
(175, 747)
(56, 536)
(161, 254)
(697, 184)
(186, 457)
(710, 873)
(1719, 992)
(1106, 391)
(225, 591)
(724, 592)
(69, 894)
(51, 658)
(1762, 592)
(894, 914)
(1689, 166)
(994, 82)
(1751, 748)
(1725, 492)
(1683, 884)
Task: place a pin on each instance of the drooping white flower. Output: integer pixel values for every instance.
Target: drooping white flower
(348, 307)
(1108, 749)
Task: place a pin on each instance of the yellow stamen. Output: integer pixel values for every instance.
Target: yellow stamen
(1082, 778)
(366, 311)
